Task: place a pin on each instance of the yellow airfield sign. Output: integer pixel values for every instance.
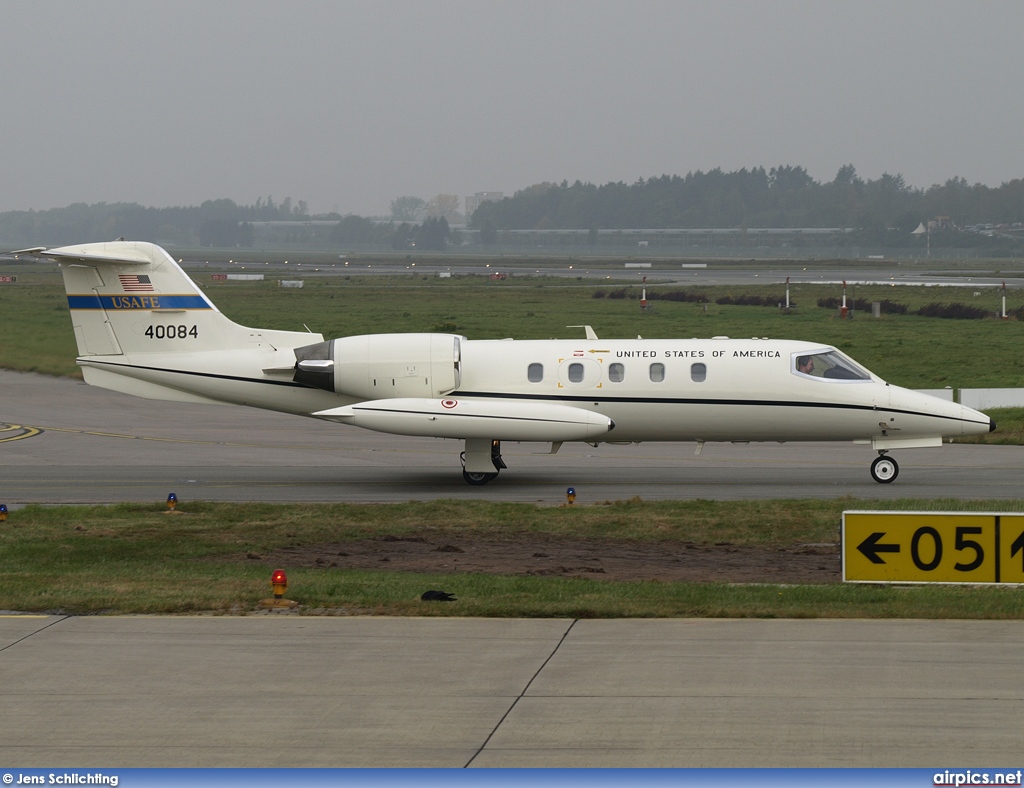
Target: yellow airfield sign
(933, 547)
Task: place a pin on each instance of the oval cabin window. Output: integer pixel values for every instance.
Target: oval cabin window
(535, 373)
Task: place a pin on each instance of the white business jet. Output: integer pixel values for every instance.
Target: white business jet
(143, 327)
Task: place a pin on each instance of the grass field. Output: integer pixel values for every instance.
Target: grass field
(911, 351)
(136, 559)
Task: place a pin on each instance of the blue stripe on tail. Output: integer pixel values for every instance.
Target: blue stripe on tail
(116, 303)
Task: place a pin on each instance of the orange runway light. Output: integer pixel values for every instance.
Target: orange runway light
(279, 582)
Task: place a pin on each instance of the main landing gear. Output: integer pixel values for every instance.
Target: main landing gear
(884, 469)
(478, 478)
(481, 461)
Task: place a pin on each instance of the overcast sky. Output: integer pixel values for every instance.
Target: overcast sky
(348, 105)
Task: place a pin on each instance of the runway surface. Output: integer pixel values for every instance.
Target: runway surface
(289, 691)
(716, 272)
(66, 442)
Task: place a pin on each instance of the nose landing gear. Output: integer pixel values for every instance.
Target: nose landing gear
(884, 469)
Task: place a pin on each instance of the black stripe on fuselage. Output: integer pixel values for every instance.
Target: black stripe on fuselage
(192, 373)
(704, 401)
(562, 398)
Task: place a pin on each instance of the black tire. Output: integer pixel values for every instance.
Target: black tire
(884, 470)
(477, 479)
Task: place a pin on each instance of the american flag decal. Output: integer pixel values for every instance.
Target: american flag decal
(135, 283)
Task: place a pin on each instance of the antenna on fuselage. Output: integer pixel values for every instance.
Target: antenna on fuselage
(591, 334)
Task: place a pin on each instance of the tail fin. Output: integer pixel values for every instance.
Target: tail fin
(129, 297)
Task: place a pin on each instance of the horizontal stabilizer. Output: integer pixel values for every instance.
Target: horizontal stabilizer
(451, 418)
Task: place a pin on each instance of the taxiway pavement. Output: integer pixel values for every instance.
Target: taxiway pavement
(96, 446)
(289, 691)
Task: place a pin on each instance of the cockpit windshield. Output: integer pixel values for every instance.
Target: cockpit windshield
(830, 365)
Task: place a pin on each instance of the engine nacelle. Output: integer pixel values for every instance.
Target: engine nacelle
(382, 366)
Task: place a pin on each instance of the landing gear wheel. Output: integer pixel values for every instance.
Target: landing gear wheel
(884, 470)
(477, 479)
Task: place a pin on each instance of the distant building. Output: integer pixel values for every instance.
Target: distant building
(472, 203)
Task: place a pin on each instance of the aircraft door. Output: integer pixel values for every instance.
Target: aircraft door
(579, 373)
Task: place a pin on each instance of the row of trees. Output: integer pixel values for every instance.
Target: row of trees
(412, 209)
(431, 235)
(221, 223)
(884, 211)
(779, 197)
(213, 223)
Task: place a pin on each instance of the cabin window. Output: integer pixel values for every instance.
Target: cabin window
(616, 373)
(535, 373)
(830, 365)
(657, 373)
(698, 373)
(576, 373)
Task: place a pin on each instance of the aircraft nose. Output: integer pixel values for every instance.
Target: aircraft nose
(992, 425)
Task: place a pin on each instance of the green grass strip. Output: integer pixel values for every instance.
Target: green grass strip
(137, 559)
